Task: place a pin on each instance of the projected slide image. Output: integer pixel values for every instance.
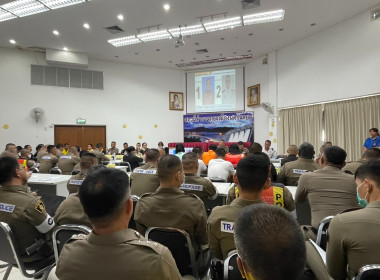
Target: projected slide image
(228, 92)
(208, 90)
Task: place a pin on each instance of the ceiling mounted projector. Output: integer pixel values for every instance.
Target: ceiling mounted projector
(179, 42)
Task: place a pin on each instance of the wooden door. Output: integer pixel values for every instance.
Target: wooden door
(77, 135)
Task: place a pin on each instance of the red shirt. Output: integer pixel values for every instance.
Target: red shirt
(234, 159)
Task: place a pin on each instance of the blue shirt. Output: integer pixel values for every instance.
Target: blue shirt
(372, 143)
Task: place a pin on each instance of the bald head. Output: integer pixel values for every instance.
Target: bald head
(293, 150)
(74, 150)
(167, 167)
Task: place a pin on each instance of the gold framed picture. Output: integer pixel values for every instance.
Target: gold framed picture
(253, 95)
(176, 101)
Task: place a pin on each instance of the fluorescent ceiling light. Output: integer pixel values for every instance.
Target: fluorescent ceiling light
(166, 7)
(223, 24)
(4, 15)
(86, 25)
(125, 41)
(55, 32)
(22, 8)
(188, 30)
(158, 35)
(12, 41)
(120, 17)
(55, 4)
(264, 17)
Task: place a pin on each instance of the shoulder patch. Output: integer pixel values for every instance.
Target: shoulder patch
(191, 187)
(46, 157)
(7, 207)
(145, 171)
(75, 182)
(299, 171)
(227, 227)
(67, 157)
(40, 207)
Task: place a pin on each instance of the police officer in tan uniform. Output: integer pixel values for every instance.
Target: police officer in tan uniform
(98, 153)
(70, 211)
(369, 154)
(292, 171)
(67, 162)
(252, 178)
(48, 161)
(201, 187)
(144, 179)
(171, 207)
(111, 250)
(328, 190)
(24, 212)
(113, 149)
(76, 181)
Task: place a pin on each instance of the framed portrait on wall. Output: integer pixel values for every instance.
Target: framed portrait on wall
(253, 95)
(176, 101)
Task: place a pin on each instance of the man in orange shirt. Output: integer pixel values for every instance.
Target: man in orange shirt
(210, 154)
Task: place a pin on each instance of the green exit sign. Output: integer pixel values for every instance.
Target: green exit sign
(81, 121)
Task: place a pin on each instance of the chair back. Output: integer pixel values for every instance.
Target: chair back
(55, 170)
(179, 244)
(303, 211)
(63, 233)
(7, 252)
(369, 272)
(231, 269)
(217, 179)
(132, 223)
(52, 202)
(322, 232)
(75, 172)
(34, 170)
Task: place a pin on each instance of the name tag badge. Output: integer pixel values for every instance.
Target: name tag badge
(191, 187)
(227, 227)
(68, 157)
(46, 157)
(76, 182)
(7, 207)
(145, 171)
(299, 171)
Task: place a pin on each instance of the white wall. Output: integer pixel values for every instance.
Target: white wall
(133, 95)
(340, 62)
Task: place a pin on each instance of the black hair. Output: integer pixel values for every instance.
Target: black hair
(220, 152)
(197, 150)
(306, 150)
(38, 148)
(59, 145)
(240, 143)
(168, 166)
(270, 142)
(160, 143)
(270, 242)
(152, 155)
(130, 149)
(8, 166)
(125, 143)
(234, 149)
(179, 148)
(255, 148)
(27, 146)
(189, 160)
(50, 148)
(212, 147)
(253, 171)
(335, 156)
(87, 160)
(99, 145)
(369, 170)
(372, 153)
(9, 144)
(103, 194)
(374, 129)
(82, 153)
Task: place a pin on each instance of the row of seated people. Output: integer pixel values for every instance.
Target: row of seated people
(172, 176)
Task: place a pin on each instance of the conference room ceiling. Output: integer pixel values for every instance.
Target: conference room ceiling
(303, 18)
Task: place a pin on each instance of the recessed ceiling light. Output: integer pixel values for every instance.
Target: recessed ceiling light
(157, 50)
(120, 17)
(136, 53)
(234, 52)
(194, 58)
(116, 56)
(313, 24)
(65, 49)
(86, 25)
(166, 7)
(182, 60)
(222, 39)
(170, 61)
(55, 32)
(12, 41)
(221, 54)
(281, 29)
(249, 51)
(250, 34)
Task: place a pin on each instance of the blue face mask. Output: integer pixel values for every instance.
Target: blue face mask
(362, 202)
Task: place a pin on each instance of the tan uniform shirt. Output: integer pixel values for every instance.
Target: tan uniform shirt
(67, 162)
(353, 241)
(76, 181)
(144, 179)
(77, 166)
(47, 162)
(171, 207)
(329, 191)
(199, 186)
(26, 216)
(288, 198)
(291, 171)
(351, 167)
(120, 255)
(220, 227)
(100, 156)
(112, 151)
(40, 155)
(71, 212)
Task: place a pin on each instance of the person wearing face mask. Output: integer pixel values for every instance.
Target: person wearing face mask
(354, 236)
(169, 206)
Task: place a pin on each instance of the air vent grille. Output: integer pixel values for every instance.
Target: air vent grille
(114, 29)
(249, 4)
(201, 51)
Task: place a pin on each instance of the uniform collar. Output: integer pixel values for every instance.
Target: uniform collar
(169, 190)
(190, 175)
(149, 165)
(362, 160)
(118, 237)
(373, 204)
(332, 168)
(15, 188)
(244, 202)
(305, 159)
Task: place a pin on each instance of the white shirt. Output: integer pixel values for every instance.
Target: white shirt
(220, 168)
(271, 153)
(201, 167)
